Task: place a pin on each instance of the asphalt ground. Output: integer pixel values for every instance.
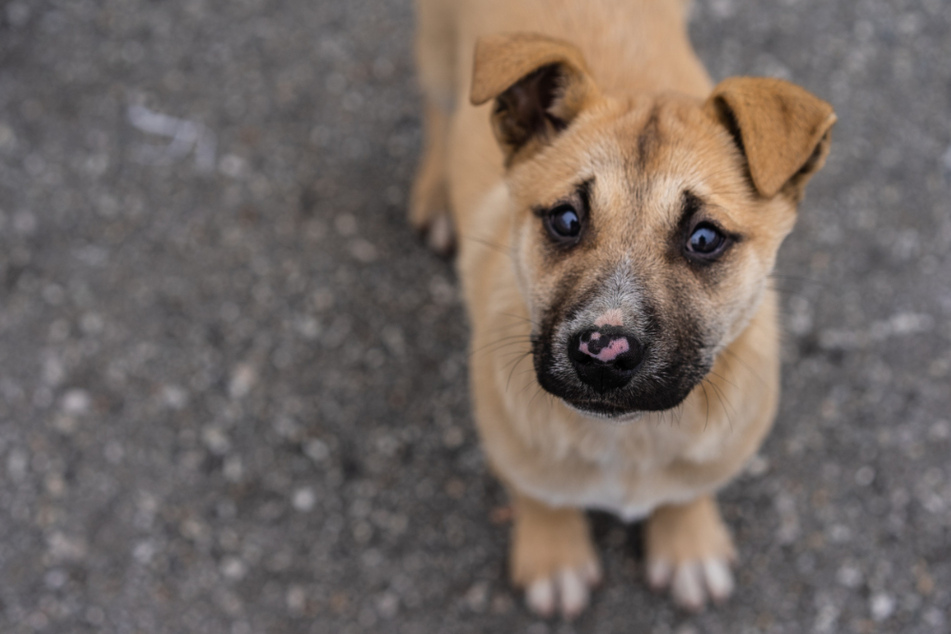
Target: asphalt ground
(233, 383)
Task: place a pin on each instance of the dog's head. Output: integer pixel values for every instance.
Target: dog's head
(645, 228)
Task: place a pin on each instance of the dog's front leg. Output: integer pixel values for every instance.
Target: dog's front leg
(690, 550)
(436, 63)
(429, 201)
(552, 557)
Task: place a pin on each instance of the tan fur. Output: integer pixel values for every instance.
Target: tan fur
(635, 113)
(770, 109)
(692, 534)
(546, 539)
(686, 532)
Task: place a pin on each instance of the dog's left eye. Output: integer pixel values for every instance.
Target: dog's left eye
(563, 222)
(706, 241)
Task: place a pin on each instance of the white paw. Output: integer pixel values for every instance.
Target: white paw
(439, 234)
(692, 582)
(567, 592)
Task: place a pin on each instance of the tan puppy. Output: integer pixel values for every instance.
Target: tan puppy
(617, 219)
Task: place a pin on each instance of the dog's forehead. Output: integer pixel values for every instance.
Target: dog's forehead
(665, 138)
(636, 154)
(649, 153)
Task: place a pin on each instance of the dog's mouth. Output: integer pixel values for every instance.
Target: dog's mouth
(657, 385)
(625, 406)
(606, 411)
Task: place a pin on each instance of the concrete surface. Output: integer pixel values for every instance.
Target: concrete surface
(233, 385)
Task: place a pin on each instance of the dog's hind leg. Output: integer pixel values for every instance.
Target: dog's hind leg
(436, 63)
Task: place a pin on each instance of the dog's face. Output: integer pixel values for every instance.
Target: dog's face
(645, 229)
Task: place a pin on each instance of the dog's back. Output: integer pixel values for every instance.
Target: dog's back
(630, 45)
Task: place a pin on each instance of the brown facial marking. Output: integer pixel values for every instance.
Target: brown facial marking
(649, 139)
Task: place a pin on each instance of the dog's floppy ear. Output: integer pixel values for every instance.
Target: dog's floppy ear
(539, 85)
(782, 129)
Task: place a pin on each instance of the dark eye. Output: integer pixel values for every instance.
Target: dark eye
(706, 240)
(564, 223)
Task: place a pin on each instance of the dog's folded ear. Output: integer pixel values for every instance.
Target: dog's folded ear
(539, 84)
(782, 129)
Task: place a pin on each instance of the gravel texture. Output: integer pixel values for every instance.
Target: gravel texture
(233, 383)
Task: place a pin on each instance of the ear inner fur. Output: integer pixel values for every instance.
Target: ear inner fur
(523, 111)
(782, 129)
(539, 83)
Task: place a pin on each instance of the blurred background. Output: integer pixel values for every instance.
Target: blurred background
(233, 384)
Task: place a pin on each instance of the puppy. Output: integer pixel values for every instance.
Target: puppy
(616, 218)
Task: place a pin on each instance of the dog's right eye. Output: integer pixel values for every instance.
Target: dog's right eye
(564, 223)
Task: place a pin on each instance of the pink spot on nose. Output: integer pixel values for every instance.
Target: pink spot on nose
(609, 352)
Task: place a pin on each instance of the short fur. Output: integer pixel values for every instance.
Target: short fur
(602, 105)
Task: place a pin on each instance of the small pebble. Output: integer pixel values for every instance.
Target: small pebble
(849, 576)
(243, 379)
(304, 499)
(882, 606)
(864, 476)
(296, 599)
(346, 225)
(234, 569)
(216, 440)
(363, 251)
(388, 605)
(76, 402)
(316, 450)
(477, 596)
(174, 396)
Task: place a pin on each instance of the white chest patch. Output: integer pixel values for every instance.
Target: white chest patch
(621, 469)
(613, 493)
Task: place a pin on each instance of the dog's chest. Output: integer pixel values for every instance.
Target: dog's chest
(621, 470)
(613, 492)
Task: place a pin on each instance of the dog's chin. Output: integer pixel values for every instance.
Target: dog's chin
(612, 415)
(620, 406)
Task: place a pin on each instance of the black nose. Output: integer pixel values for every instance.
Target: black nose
(605, 358)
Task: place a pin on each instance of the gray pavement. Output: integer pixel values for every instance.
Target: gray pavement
(233, 384)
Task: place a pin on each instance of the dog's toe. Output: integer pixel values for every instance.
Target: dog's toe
(659, 572)
(592, 572)
(687, 588)
(540, 597)
(568, 592)
(718, 578)
(439, 234)
(692, 582)
(573, 589)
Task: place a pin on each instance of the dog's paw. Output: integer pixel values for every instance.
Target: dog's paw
(439, 234)
(567, 591)
(553, 559)
(692, 581)
(435, 227)
(429, 209)
(689, 551)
